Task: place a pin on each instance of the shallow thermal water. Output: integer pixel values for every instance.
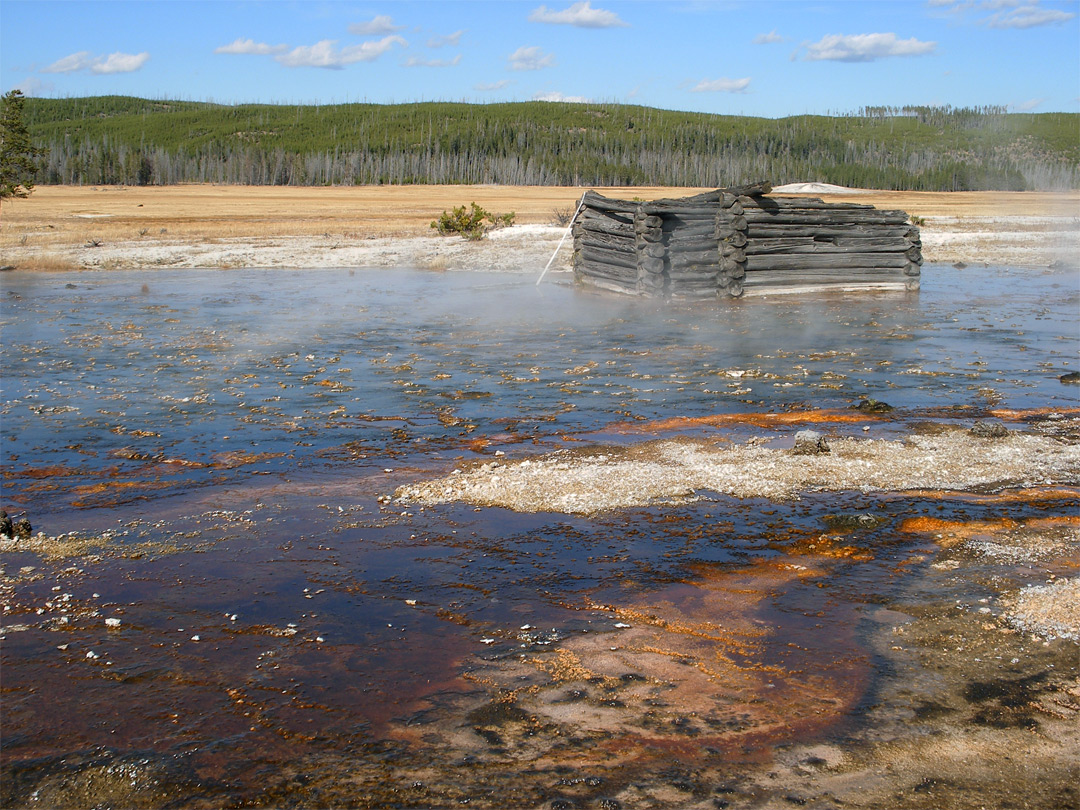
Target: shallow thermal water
(216, 448)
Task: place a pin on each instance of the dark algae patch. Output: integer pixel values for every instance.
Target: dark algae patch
(223, 603)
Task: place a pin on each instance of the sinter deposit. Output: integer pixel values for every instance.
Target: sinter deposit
(674, 470)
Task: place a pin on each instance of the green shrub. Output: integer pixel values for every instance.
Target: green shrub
(472, 223)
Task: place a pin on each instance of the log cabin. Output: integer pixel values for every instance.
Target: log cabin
(735, 241)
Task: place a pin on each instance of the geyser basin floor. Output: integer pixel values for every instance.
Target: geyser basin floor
(210, 455)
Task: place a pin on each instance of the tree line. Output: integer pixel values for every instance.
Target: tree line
(118, 140)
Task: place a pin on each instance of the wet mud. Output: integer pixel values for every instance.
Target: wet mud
(233, 596)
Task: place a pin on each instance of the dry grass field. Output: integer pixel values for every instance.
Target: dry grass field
(85, 227)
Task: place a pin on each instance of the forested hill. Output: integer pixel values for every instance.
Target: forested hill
(114, 140)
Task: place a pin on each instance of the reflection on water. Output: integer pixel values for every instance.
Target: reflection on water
(214, 445)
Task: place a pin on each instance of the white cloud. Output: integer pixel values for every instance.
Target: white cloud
(415, 61)
(721, 86)
(582, 15)
(100, 65)
(70, 64)
(449, 39)
(324, 54)
(769, 38)
(250, 46)
(1006, 13)
(1028, 16)
(119, 63)
(555, 95)
(380, 24)
(487, 88)
(864, 47)
(33, 86)
(1029, 105)
(530, 57)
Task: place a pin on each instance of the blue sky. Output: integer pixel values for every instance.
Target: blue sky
(761, 58)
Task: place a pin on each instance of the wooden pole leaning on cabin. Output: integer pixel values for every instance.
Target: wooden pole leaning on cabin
(731, 238)
(566, 233)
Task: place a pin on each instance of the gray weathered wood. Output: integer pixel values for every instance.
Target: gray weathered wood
(688, 276)
(770, 231)
(732, 193)
(835, 261)
(608, 216)
(591, 255)
(648, 222)
(835, 244)
(678, 265)
(734, 253)
(605, 226)
(601, 241)
(604, 284)
(780, 203)
(793, 217)
(696, 230)
(804, 274)
(650, 265)
(711, 242)
(626, 284)
(694, 246)
(650, 237)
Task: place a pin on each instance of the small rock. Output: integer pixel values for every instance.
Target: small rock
(959, 265)
(810, 443)
(873, 406)
(1071, 378)
(22, 529)
(853, 522)
(989, 430)
(111, 622)
(6, 529)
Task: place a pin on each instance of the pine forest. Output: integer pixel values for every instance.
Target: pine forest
(110, 140)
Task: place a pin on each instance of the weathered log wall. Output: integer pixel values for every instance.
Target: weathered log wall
(725, 241)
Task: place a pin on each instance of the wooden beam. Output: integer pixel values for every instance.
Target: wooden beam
(825, 244)
(591, 255)
(601, 243)
(836, 261)
(851, 274)
(765, 230)
(832, 218)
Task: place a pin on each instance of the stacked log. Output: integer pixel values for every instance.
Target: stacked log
(651, 253)
(731, 241)
(805, 241)
(691, 251)
(726, 241)
(605, 250)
